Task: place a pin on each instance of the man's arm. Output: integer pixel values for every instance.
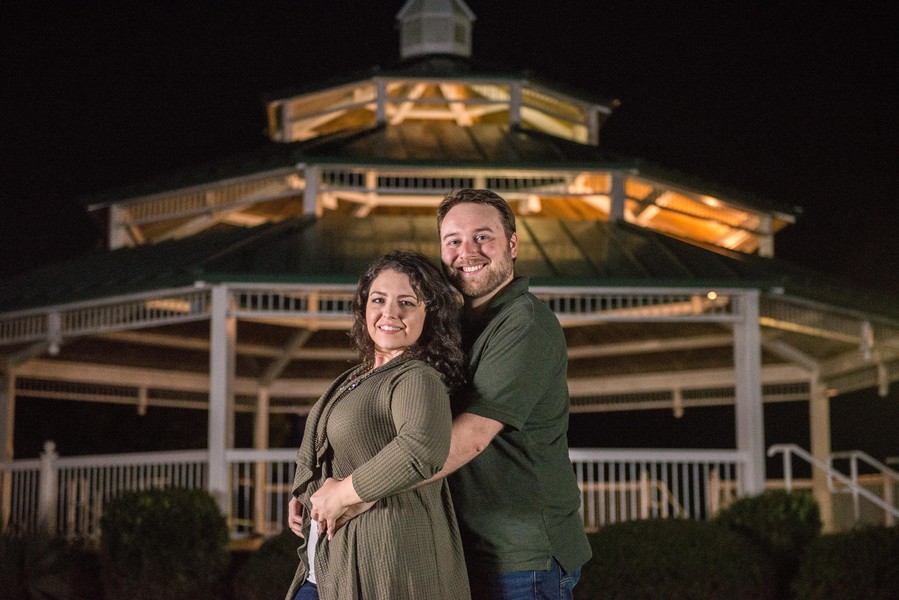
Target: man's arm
(471, 434)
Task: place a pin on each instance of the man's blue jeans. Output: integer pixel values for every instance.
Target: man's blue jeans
(552, 584)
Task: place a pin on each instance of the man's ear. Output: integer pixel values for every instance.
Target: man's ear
(513, 245)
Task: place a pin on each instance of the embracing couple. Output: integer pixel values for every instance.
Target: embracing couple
(438, 468)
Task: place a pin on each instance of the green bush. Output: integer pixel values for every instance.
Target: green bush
(782, 523)
(267, 572)
(163, 545)
(675, 559)
(860, 564)
(39, 566)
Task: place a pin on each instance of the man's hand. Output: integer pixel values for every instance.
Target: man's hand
(351, 513)
(295, 516)
(331, 501)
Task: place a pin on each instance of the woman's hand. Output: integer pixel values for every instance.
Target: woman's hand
(295, 516)
(331, 501)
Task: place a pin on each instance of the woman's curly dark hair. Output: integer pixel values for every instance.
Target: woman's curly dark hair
(440, 343)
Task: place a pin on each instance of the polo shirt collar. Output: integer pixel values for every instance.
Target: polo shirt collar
(518, 286)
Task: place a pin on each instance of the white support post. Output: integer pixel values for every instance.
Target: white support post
(312, 175)
(515, 104)
(260, 442)
(7, 429)
(7, 414)
(381, 101)
(593, 127)
(617, 197)
(749, 413)
(766, 237)
(222, 338)
(118, 230)
(48, 491)
(819, 425)
(286, 132)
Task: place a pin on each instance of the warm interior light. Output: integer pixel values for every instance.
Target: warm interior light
(169, 305)
(712, 295)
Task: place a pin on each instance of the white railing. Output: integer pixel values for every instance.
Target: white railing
(261, 481)
(623, 485)
(837, 481)
(887, 478)
(69, 494)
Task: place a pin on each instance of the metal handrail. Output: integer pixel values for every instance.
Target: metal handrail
(792, 449)
(889, 476)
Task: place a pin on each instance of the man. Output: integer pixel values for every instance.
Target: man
(511, 480)
(513, 488)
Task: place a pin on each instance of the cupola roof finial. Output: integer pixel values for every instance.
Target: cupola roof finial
(435, 27)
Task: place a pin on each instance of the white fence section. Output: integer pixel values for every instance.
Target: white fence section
(624, 485)
(68, 494)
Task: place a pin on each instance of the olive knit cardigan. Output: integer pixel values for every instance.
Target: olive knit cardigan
(389, 429)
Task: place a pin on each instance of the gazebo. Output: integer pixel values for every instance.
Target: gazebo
(225, 287)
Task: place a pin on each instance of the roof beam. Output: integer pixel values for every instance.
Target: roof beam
(162, 379)
(649, 346)
(202, 345)
(654, 382)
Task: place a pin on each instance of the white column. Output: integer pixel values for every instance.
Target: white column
(7, 429)
(118, 232)
(748, 391)
(819, 425)
(222, 338)
(593, 126)
(766, 237)
(260, 442)
(381, 104)
(48, 491)
(617, 197)
(7, 414)
(310, 194)
(515, 104)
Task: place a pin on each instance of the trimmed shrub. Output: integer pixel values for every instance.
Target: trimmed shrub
(267, 572)
(38, 565)
(166, 544)
(782, 523)
(676, 560)
(862, 564)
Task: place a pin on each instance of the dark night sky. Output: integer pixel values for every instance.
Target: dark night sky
(794, 103)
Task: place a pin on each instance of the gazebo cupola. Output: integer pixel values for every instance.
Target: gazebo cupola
(394, 139)
(435, 27)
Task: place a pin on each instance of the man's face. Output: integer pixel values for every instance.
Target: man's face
(476, 255)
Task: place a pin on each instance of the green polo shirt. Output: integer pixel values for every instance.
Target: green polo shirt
(517, 502)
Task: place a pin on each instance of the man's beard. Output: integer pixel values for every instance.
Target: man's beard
(491, 277)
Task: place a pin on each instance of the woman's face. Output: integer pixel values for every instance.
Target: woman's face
(394, 315)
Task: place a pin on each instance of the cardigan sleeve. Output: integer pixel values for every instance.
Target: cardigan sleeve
(420, 409)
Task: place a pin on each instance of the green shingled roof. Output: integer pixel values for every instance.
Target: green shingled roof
(335, 249)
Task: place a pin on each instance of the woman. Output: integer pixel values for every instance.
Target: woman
(381, 428)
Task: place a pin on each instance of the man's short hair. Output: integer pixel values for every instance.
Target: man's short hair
(473, 196)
